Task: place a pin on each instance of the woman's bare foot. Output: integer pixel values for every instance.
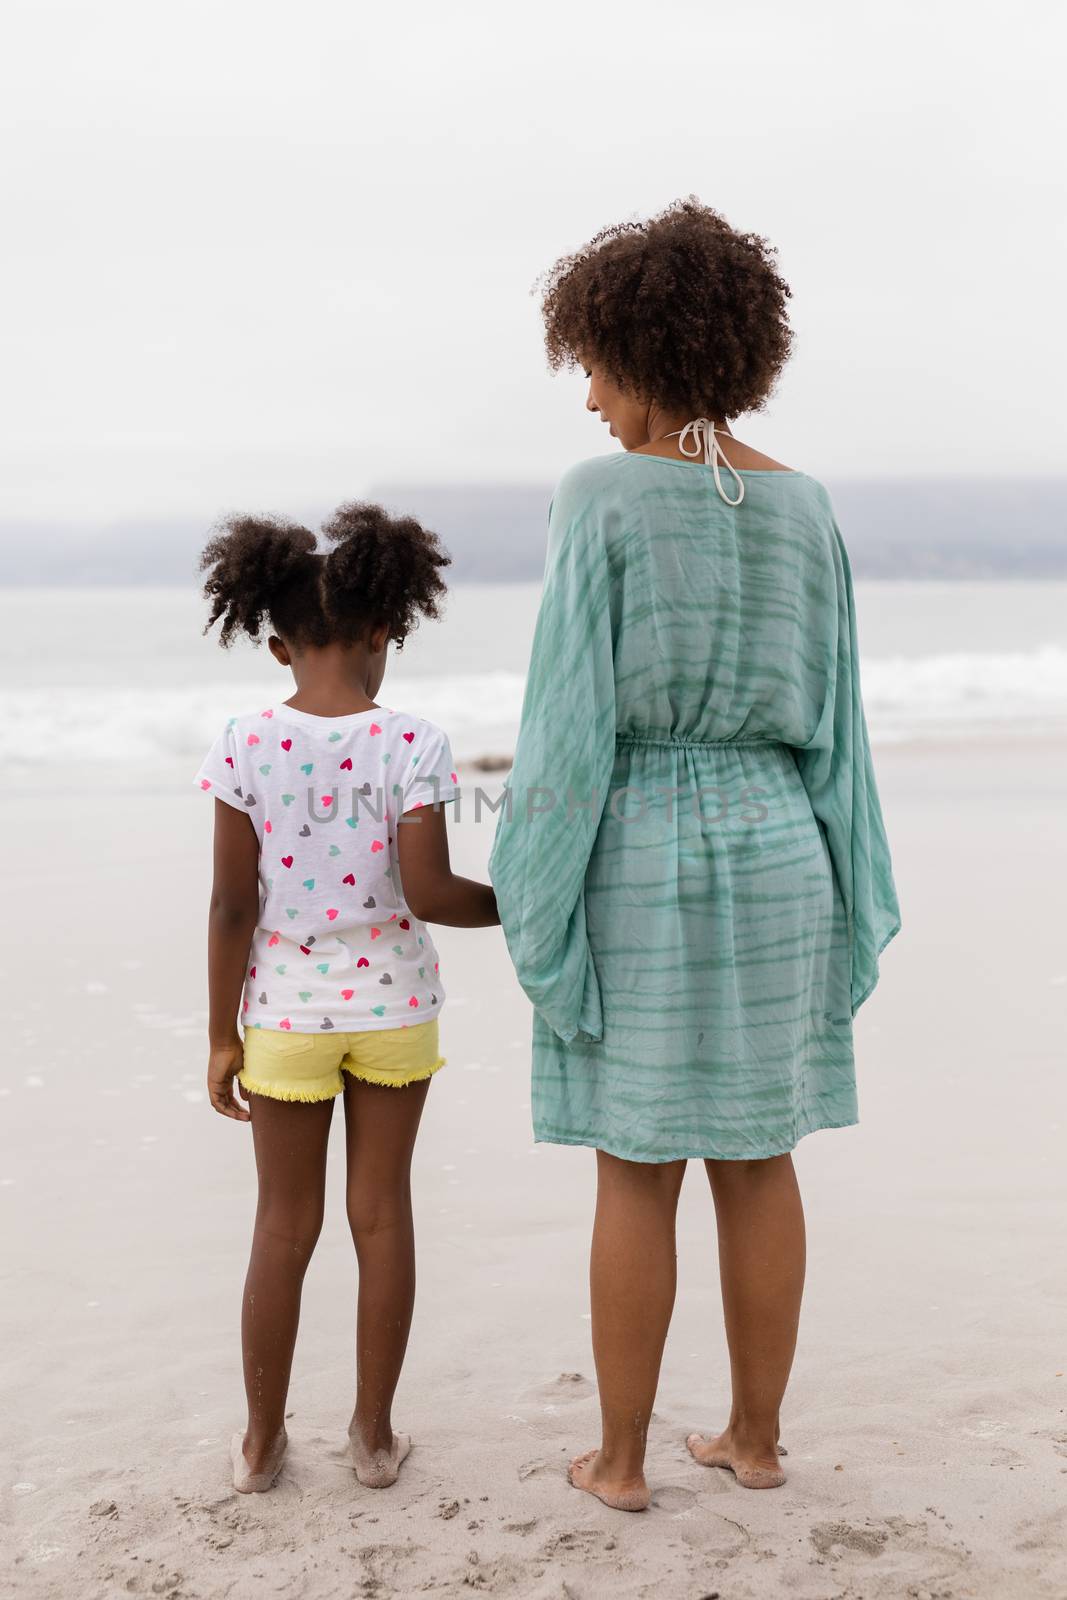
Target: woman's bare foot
(258, 1475)
(378, 1468)
(754, 1466)
(622, 1494)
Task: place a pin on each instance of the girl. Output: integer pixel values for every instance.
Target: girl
(330, 856)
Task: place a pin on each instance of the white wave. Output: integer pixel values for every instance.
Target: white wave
(108, 726)
(904, 697)
(965, 691)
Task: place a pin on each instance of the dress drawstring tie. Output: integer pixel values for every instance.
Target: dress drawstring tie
(705, 443)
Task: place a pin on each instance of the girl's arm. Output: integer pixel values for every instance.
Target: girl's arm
(232, 919)
(431, 888)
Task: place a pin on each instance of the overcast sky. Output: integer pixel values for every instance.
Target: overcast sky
(266, 255)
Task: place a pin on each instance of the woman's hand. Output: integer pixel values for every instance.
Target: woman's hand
(224, 1063)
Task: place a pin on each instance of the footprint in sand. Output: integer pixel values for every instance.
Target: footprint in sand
(1041, 1533)
(675, 1498)
(830, 1536)
(497, 1575)
(583, 1542)
(41, 1553)
(984, 1427)
(567, 1387)
(383, 1569)
(905, 1545)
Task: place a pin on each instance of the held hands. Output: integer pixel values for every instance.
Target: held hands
(224, 1063)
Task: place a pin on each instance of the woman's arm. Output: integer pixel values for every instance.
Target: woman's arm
(564, 759)
(431, 889)
(837, 771)
(232, 917)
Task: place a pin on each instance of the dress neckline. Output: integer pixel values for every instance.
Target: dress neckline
(743, 472)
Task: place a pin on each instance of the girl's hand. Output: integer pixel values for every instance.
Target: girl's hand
(224, 1063)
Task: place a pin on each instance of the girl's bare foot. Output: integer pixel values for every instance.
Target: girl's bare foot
(754, 1466)
(622, 1494)
(378, 1469)
(257, 1476)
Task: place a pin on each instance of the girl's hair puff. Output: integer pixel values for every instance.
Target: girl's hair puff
(267, 572)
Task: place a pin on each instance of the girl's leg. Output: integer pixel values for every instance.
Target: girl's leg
(290, 1141)
(761, 1267)
(632, 1277)
(382, 1122)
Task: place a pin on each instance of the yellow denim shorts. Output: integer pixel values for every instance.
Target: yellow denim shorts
(309, 1066)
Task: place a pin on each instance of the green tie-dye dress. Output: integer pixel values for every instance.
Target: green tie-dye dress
(694, 880)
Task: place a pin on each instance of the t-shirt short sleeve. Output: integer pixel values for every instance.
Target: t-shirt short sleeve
(429, 777)
(219, 774)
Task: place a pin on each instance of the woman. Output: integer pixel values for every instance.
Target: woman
(694, 880)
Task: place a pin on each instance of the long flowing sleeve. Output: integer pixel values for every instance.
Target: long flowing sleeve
(838, 774)
(559, 782)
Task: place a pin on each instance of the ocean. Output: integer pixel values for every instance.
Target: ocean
(122, 680)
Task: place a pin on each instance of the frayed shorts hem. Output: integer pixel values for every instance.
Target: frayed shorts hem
(315, 1094)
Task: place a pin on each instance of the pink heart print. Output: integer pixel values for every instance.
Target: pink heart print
(274, 939)
(362, 962)
(285, 1023)
(346, 994)
(349, 877)
(408, 738)
(413, 1001)
(376, 933)
(253, 738)
(287, 744)
(204, 783)
(287, 861)
(376, 845)
(346, 764)
(374, 728)
(266, 713)
(268, 828)
(331, 913)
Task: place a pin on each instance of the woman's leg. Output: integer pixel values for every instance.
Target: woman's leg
(632, 1277)
(290, 1142)
(382, 1122)
(761, 1267)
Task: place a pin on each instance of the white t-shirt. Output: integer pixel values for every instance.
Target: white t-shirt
(336, 945)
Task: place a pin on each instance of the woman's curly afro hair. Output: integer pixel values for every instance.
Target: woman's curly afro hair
(267, 572)
(680, 310)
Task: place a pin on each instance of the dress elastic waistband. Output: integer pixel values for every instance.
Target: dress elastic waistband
(680, 742)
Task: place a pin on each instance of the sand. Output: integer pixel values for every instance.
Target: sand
(927, 1419)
